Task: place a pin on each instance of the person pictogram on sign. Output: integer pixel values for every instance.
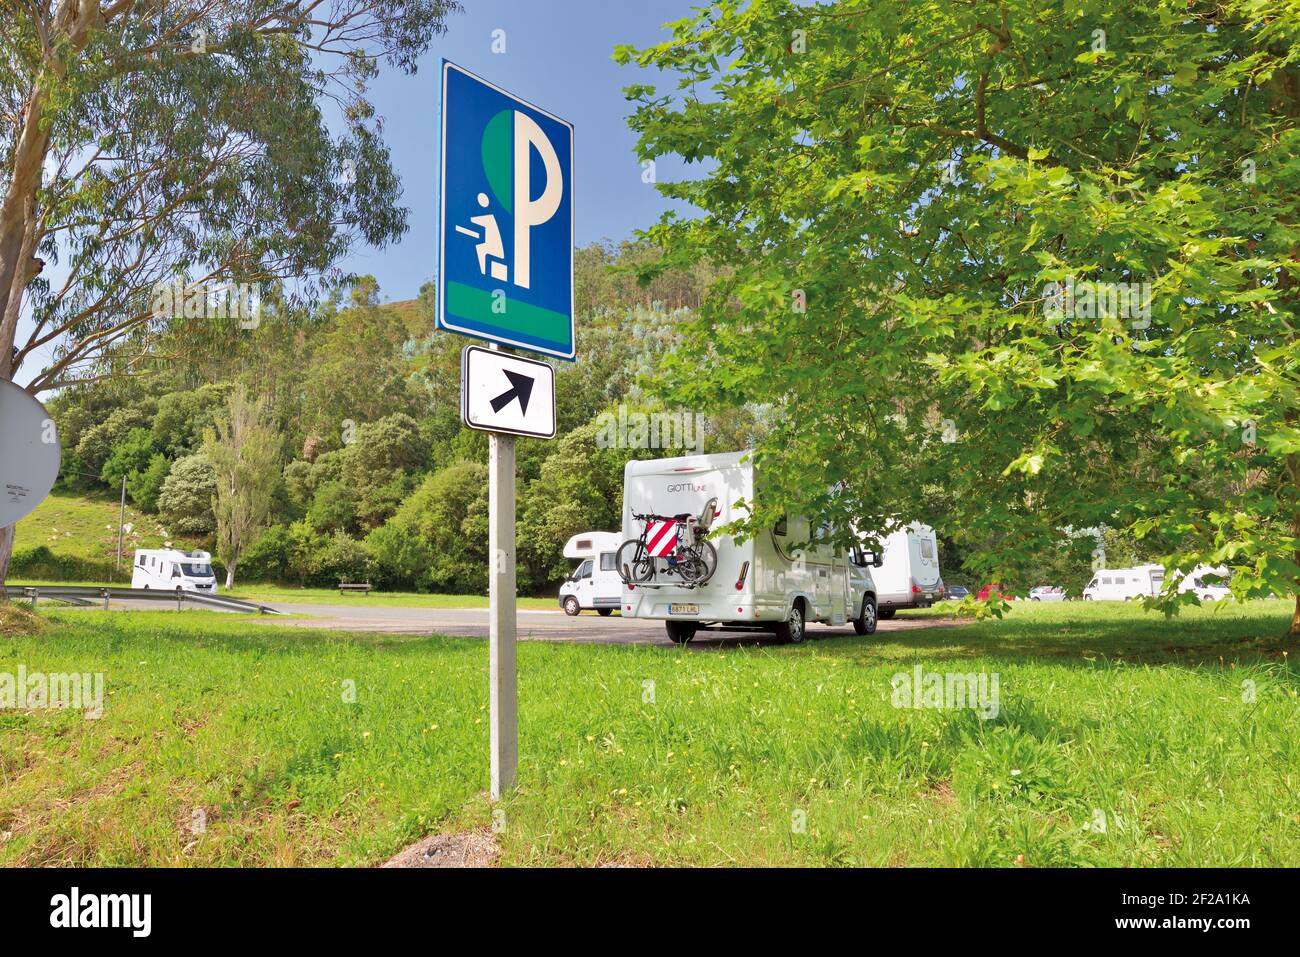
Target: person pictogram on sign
(491, 251)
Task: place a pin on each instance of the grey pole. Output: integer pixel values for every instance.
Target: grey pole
(121, 520)
(501, 628)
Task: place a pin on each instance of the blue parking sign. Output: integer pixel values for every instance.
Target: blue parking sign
(506, 218)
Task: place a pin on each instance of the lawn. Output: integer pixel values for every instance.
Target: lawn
(1119, 739)
(290, 595)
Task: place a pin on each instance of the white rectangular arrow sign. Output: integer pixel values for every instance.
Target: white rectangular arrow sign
(500, 392)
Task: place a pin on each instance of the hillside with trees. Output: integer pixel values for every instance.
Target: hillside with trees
(365, 472)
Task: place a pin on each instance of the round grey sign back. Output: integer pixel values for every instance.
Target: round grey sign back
(29, 453)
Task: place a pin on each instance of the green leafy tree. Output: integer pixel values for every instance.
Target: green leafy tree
(445, 519)
(98, 442)
(897, 196)
(184, 417)
(145, 485)
(143, 142)
(580, 489)
(245, 454)
(129, 456)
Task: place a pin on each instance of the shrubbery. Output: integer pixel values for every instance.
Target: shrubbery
(40, 564)
(185, 502)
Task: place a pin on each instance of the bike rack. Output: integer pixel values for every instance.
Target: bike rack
(626, 575)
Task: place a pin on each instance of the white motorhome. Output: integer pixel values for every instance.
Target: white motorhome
(169, 569)
(1207, 582)
(595, 582)
(1121, 584)
(909, 574)
(764, 583)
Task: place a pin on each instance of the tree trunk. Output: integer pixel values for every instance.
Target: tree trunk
(6, 550)
(230, 574)
(1295, 530)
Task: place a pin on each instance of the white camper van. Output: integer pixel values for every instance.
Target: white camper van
(169, 569)
(765, 583)
(595, 582)
(1207, 582)
(1121, 584)
(909, 575)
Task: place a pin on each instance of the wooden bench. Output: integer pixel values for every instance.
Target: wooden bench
(354, 586)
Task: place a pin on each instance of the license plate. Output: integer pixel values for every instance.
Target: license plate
(683, 609)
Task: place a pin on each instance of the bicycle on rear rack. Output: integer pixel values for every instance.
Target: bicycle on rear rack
(670, 545)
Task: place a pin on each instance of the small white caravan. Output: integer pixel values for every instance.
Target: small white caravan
(1121, 584)
(169, 569)
(764, 583)
(595, 582)
(909, 575)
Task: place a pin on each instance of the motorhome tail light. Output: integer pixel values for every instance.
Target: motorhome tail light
(740, 582)
(916, 589)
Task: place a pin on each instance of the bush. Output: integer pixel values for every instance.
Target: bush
(183, 417)
(132, 454)
(343, 559)
(145, 486)
(332, 508)
(185, 503)
(443, 526)
(98, 442)
(270, 557)
(39, 563)
(403, 558)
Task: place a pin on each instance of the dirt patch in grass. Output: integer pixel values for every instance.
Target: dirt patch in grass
(19, 621)
(470, 849)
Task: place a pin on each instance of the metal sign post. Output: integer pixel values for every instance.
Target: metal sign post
(505, 212)
(503, 696)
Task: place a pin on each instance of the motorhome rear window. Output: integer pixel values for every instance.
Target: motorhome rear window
(927, 548)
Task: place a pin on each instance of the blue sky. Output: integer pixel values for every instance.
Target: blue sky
(558, 56)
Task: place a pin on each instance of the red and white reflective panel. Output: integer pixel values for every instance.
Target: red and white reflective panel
(661, 539)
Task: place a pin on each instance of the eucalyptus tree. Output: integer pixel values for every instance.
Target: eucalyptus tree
(1039, 259)
(169, 158)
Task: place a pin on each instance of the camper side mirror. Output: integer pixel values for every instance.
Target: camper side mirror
(874, 559)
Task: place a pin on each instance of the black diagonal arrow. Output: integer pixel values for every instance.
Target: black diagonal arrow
(521, 388)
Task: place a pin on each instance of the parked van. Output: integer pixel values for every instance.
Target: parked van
(168, 569)
(594, 583)
(1207, 582)
(766, 583)
(909, 576)
(1121, 584)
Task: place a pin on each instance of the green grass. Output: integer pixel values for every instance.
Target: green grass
(290, 595)
(85, 526)
(1103, 710)
(330, 596)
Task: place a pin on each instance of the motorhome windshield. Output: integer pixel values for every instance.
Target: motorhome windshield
(197, 571)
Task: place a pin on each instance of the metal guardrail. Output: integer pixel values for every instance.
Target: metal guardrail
(90, 595)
